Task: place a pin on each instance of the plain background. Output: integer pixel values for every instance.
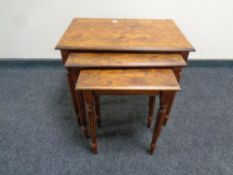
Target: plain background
(31, 28)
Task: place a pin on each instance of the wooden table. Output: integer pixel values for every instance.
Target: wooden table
(132, 82)
(122, 36)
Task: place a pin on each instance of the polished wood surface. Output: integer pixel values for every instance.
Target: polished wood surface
(123, 35)
(128, 79)
(138, 81)
(123, 60)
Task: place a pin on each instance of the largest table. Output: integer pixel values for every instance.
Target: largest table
(121, 36)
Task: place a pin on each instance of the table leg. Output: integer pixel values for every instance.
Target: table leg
(82, 113)
(89, 100)
(64, 55)
(151, 110)
(74, 97)
(74, 73)
(159, 120)
(170, 103)
(97, 109)
(177, 72)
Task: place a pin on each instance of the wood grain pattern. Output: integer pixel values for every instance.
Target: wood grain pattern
(128, 79)
(123, 60)
(123, 35)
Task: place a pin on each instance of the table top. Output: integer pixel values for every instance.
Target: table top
(127, 80)
(123, 60)
(123, 35)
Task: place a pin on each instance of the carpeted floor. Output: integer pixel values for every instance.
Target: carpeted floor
(38, 133)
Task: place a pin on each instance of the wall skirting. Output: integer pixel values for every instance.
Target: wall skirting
(58, 62)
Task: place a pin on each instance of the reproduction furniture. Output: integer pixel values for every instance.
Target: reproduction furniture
(127, 82)
(121, 44)
(122, 35)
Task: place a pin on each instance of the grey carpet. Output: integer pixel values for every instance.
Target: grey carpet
(39, 135)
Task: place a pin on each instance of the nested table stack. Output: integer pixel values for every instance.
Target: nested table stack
(123, 57)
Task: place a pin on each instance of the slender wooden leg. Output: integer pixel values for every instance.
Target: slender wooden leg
(177, 72)
(89, 99)
(151, 110)
(170, 103)
(64, 55)
(82, 114)
(97, 108)
(74, 97)
(159, 121)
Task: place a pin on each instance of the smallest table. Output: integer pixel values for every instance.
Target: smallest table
(127, 82)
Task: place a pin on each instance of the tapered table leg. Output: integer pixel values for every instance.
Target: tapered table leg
(151, 110)
(177, 72)
(170, 103)
(82, 114)
(74, 98)
(89, 99)
(159, 120)
(97, 109)
(64, 55)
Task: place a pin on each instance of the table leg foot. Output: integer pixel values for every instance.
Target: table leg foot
(152, 148)
(94, 148)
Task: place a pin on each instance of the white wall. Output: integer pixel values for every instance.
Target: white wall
(31, 28)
